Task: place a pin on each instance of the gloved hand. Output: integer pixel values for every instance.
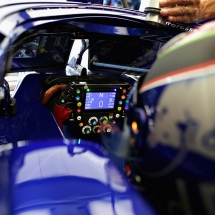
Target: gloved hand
(54, 91)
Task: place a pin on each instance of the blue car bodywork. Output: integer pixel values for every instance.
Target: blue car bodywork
(64, 177)
(43, 171)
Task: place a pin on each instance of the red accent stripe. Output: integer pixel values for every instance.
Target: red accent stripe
(187, 69)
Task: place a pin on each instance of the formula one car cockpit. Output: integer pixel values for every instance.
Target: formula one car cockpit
(71, 135)
(88, 99)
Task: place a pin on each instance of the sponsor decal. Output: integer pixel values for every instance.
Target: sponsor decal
(179, 26)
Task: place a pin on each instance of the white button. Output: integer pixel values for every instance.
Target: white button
(79, 118)
(108, 130)
(117, 115)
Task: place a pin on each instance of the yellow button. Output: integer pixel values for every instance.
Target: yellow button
(119, 108)
(79, 104)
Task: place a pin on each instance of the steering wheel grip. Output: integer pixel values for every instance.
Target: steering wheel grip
(60, 112)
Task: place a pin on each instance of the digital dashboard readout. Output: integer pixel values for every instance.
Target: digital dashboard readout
(100, 100)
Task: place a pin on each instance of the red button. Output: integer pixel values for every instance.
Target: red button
(98, 131)
(124, 91)
(78, 110)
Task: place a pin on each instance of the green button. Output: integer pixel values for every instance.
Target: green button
(78, 91)
(87, 131)
(62, 101)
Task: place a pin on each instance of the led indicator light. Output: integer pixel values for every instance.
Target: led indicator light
(88, 90)
(127, 101)
(79, 141)
(62, 101)
(134, 127)
(111, 116)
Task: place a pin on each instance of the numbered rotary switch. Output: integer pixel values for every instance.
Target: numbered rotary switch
(93, 120)
(86, 129)
(103, 120)
(96, 129)
(107, 128)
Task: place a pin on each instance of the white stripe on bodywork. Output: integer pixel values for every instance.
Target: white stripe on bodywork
(202, 72)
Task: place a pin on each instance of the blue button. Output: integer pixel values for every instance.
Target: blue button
(94, 122)
(77, 98)
(120, 102)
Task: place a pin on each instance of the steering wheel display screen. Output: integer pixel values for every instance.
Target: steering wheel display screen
(100, 100)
